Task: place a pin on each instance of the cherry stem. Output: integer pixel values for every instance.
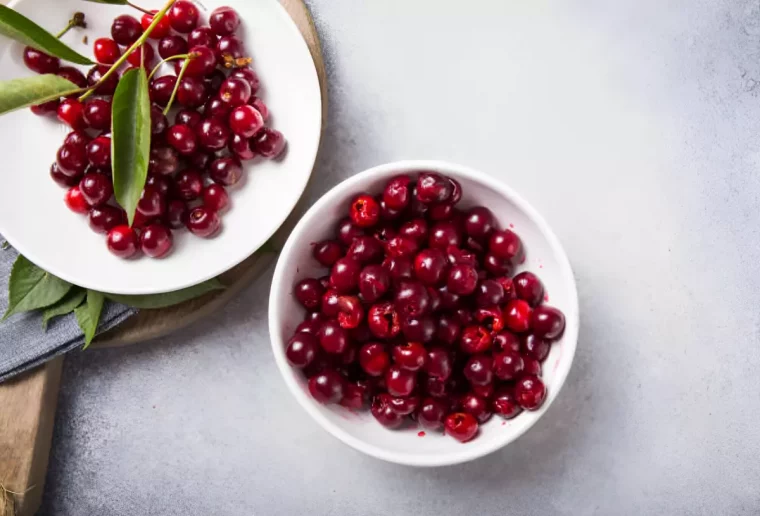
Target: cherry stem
(171, 58)
(156, 19)
(139, 8)
(76, 21)
(176, 86)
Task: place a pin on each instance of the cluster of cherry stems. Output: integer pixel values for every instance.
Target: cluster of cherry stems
(420, 316)
(220, 123)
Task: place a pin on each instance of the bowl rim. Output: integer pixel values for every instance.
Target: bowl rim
(279, 288)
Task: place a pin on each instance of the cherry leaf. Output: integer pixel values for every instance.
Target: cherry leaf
(30, 91)
(88, 315)
(31, 288)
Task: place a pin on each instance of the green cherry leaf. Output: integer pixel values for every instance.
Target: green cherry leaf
(88, 315)
(170, 298)
(20, 28)
(31, 288)
(130, 143)
(65, 306)
(29, 91)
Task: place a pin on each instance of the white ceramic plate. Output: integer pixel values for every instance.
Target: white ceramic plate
(544, 256)
(34, 219)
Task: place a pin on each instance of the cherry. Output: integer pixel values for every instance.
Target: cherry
(430, 266)
(183, 16)
(439, 363)
(333, 338)
(418, 329)
(365, 249)
(350, 313)
(191, 92)
(162, 28)
(326, 387)
(241, 147)
(433, 188)
(182, 138)
(45, 108)
(398, 246)
(189, 185)
(97, 114)
(107, 87)
(158, 124)
(448, 329)
(330, 303)
(530, 392)
(122, 241)
(216, 108)
(156, 240)
(364, 212)
(78, 139)
(151, 203)
(529, 288)
(75, 200)
(373, 359)
(399, 268)
(203, 222)
(71, 160)
(176, 214)
(212, 134)
(535, 347)
(461, 426)
(142, 55)
(105, 218)
(71, 112)
(60, 178)
(443, 235)
(245, 121)
(506, 341)
(171, 45)
(161, 89)
(396, 193)
(125, 30)
(505, 244)
(223, 21)
(479, 222)
(383, 320)
(226, 171)
(344, 275)
(215, 197)
(40, 62)
(374, 282)
(504, 402)
(400, 382)
(475, 339)
(489, 293)
(431, 413)
(462, 279)
(229, 49)
(412, 299)
(383, 412)
(269, 143)
(250, 76)
(163, 161)
(517, 315)
(202, 65)
(436, 387)
(96, 189)
(479, 370)
(327, 252)
(201, 37)
(159, 182)
(347, 232)
(531, 366)
(355, 395)
(410, 356)
(507, 365)
(302, 350)
(440, 211)
(99, 151)
(235, 92)
(404, 406)
(73, 75)
(106, 51)
(476, 406)
(547, 322)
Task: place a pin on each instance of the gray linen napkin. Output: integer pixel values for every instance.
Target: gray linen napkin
(24, 344)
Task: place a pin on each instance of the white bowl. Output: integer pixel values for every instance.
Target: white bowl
(545, 257)
(34, 219)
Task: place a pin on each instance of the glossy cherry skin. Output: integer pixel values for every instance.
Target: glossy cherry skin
(475, 339)
(329, 305)
(383, 320)
(344, 275)
(448, 329)
(302, 350)
(507, 365)
(410, 356)
(203, 64)
(171, 45)
(535, 347)
(443, 235)
(333, 338)
(176, 214)
(245, 121)
(530, 392)
(97, 114)
(504, 402)
(71, 160)
(164, 161)
(506, 341)
(374, 282)
(162, 28)
(309, 292)
(327, 252)
(399, 381)
(505, 244)
(397, 192)
(529, 288)
(250, 76)
(75, 201)
(183, 16)
(462, 279)
(143, 55)
(60, 178)
(107, 87)
(418, 329)
(152, 203)
(479, 370)
(430, 266)
(161, 89)
(122, 241)
(226, 171)
(374, 359)
(439, 363)
(365, 249)
(202, 37)
(125, 30)
(350, 312)
(229, 49)
(40, 62)
(203, 222)
(364, 211)
(412, 299)
(223, 21)
(71, 112)
(105, 218)
(96, 189)
(476, 406)
(188, 185)
(431, 412)
(461, 426)
(433, 188)
(213, 135)
(326, 387)
(547, 322)
(182, 138)
(191, 92)
(235, 91)
(99, 151)
(215, 197)
(106, 50)
(156, 241)
(383, 412)
(517, 315)
(269, 143)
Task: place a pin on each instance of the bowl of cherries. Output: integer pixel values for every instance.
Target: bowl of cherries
(423, 313)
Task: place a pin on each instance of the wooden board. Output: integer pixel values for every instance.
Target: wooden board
(27, 403)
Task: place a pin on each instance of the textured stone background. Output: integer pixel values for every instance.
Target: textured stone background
(634, 126)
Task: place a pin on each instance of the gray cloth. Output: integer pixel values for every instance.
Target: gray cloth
(24, 344)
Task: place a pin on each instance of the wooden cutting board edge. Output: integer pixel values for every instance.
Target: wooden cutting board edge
(28, 403)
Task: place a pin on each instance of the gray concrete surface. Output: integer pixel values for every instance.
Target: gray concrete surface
(634, 126)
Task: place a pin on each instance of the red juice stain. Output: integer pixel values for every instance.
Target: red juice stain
(421, 433)
(512, 226)
(546, 298)
(540, 266)
(503, 423)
